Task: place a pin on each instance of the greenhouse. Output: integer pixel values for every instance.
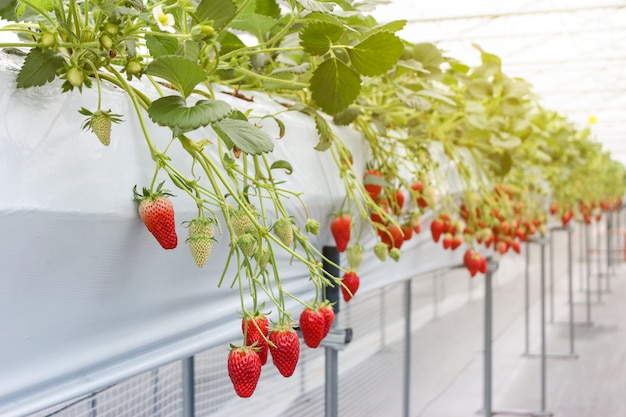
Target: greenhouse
(312, 208)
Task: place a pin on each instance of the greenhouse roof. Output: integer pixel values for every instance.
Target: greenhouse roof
(573, 52)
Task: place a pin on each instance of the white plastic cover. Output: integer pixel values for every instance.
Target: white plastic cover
(87, 296)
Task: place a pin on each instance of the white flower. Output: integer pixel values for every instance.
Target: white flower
(165, 21)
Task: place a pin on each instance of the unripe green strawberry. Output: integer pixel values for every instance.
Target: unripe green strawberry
(99, 123)
(355, 256)
(201, 226)
(381, 251)
(240, 222)
(394, 254)
(75, 77)
(415, 219)
(202, 32)
(312, 226)
(200, 247)
(48, 40)
(111, 28)
(262, 257)
(133, 68)
(106, 41)
(247, 244)
(284, 230)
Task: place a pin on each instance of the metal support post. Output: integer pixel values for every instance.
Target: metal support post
(487, 385)
(436, 295)
(406, 397)
(551, 276)
(189, 395)
(599, 261)
(570, 290)
(527, 299)
(543, 325)
(588, 266)
(609, 248)
(331, 398)
(581, 254)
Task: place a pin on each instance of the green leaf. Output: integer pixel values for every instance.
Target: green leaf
(39, 67)
(512, 106)
(322, 17)
(501, 163)
(7, 10)
(219, 11)
(326, 134)
(317, 37)
(334, 85)
(238, 115)
(480, 89)
(244, 136)
(268, 8)
(393, 26)
(258, 25)
(282, 164)
(437, 95)
(428, 54)
(316, 6)
(161, 45)
(347, 116)
(189, 49)
(182, 73)
(376, 180)
(376, 54)
(414, 101)
(229, 42)
(173, 112)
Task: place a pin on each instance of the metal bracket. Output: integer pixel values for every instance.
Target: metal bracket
(337, 338)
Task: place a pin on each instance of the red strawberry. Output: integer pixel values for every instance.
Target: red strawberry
(372, 189)
(157, 213)
(436, 228)
(554, 207)
(285, 349)
(482, 264)
(244, 370)
(502, 247)
(399, 203)
(456, 242)
(254, 336)
(312, 326)
(516, 246)
(447, 241)
(340, 228)
(328, 312)
(392, 236)
(350, 281)
(407, 231)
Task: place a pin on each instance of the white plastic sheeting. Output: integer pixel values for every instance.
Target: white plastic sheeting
(87, 296)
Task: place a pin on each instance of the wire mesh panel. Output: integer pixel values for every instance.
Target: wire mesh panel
(152, 394)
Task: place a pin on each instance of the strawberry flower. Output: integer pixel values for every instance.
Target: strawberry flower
(164, 20)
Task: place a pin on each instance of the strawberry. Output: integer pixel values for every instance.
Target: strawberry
(200, 239)
(99, 122)
(407, 231)
(516, 246)
(244, 370)
(328, 312)
(312, 226)
(372, 188)
(502, 247)
(262, 257)
(482, 264)
(399, 203)
(456, 242)
(247, 244)
(312, 326)
(436, 229)
(554, 207)
(240, 222)
(283, 228)
(255, 330)
(350, 281)
(394, 254)
(381, 251)
(340, 228)
(392, 236)
(157, 213)
(285, 349)
(355, 255)
(447, 241)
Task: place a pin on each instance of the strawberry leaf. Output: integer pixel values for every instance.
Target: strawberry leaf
(219, 11)
(172, 111)
(181, 72)
(376, 54)
(282, 164)
(334, 85)
(244, 136)
(40, 67)
(317, 37)
(160, 45)
(316, 6)
(258, 25)
(7, 10)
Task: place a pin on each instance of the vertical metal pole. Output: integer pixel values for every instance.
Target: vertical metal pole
(383, 320)
(331, 386)
(406, 403)
(488, 340)
(189, 395)
(609, 251)
(581, 254)
(551, 276)
(543, 325)
(435, 295)
(599, 263)
(570, 294)
(93, 405)
(155, 392)
(588, 267)
(527, 300)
